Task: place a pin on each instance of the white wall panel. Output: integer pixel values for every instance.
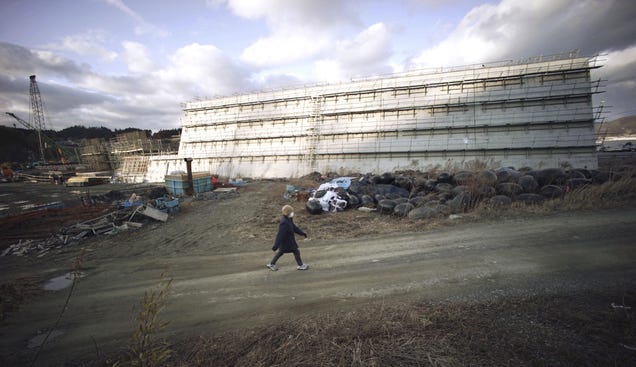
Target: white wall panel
(414, 120)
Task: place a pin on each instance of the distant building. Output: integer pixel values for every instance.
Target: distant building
(534, 113)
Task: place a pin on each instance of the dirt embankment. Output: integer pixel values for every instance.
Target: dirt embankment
(216, 251)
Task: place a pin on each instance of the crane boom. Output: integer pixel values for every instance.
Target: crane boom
(37, 110)
(40, 134)
(23, 122)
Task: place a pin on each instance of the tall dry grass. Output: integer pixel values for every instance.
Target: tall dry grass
(611, 194)
(145, 348)
(570, 330)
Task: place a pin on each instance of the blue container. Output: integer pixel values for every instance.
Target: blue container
(176, 187)
(202, 184)
(199, 184)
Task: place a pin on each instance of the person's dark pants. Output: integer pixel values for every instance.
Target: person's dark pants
(280, 253)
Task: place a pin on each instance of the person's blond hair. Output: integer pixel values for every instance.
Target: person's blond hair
(287, 210)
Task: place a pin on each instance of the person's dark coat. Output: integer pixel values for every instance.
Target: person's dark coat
(285, 240)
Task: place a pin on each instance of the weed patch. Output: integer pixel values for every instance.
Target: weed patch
(568, 330)
(145, 349)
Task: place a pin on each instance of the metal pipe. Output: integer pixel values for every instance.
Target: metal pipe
(190, 189)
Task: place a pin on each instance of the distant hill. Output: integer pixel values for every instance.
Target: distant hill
(623, 126)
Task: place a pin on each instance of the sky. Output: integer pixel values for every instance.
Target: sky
(133, 63)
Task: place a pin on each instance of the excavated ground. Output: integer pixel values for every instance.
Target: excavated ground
(215, 253)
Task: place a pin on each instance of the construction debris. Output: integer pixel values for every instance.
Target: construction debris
(155, 214)
(110, 223)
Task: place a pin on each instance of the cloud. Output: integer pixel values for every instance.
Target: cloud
(283, 49)
(136, 57)
(277, 80)
(74, 94)
(299, 30)
(88, 43)
(620, 65)
(148, 98)
(618, 73)
(365, 54)
(515, 29)
(292, 15)
(20, 61)
(142, 27)
(204, 70)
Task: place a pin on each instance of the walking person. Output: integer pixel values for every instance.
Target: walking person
(286, 241)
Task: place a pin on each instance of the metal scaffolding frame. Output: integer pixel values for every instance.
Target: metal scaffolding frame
(538, 106)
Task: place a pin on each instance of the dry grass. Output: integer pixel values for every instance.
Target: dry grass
(611, 194)
(329, 226)
(572, 330)
(14, 293)
(145, 349)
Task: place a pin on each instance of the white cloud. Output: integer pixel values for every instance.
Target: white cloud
(142, 27)
(88, 43)
(200, 70)
(365, 54)
(467, 44)
(284, 49)
(329, 70)
(620, 65)
(619, 78)
(299, 30)
(368, 47)
(515, 29)
(290, 15)
(136, 57)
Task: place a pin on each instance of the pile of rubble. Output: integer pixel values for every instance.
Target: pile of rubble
(122, 216)
(420, 195)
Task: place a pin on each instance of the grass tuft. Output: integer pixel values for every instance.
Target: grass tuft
(145, 349)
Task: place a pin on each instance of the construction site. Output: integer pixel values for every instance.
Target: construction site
(535, 113)
(87, 161)
(460, 216)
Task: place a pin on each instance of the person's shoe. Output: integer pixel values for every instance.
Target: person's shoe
(303, 267)
(272, 267)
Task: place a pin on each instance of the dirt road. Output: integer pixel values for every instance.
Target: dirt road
(216, 252)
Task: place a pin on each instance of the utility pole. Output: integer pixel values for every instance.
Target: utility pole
(37, 111)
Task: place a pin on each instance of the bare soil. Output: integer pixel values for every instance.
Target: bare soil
(215, 251)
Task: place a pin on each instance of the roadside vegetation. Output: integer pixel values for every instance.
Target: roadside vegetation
(567, 330)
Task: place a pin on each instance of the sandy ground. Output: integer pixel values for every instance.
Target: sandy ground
(216, 251)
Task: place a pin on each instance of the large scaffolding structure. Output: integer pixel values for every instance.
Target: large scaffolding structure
(128, 154)
(534, 113)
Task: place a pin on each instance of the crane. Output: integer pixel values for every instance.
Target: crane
(38, 123)
(37, 111)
